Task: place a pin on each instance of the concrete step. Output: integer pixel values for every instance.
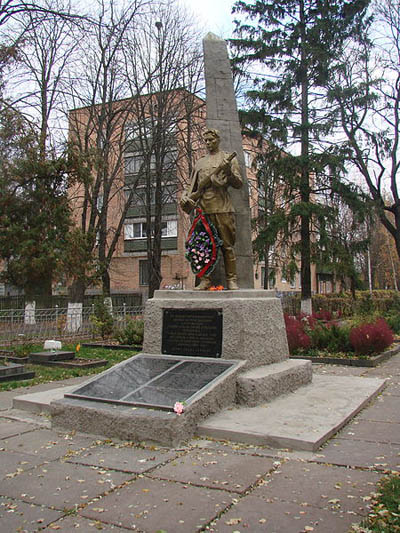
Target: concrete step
(267, 382)
(302, 420)
(39, 402)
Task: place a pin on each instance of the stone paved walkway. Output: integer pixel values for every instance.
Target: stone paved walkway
(73, 482)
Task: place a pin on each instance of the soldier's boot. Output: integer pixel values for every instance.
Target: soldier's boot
(230, 270)
(232, 284)
(204, 284)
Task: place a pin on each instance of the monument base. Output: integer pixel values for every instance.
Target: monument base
(103, 412)
(243, 329)
(252, 325)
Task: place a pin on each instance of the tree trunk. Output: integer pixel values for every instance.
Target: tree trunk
(353, 286)
(266, 268)
(76, 291)
(306, 304)
(106, 283)
(40, 292)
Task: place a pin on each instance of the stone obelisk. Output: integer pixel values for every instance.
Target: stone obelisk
(222, 115)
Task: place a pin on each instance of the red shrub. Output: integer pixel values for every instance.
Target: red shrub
(371, 338)
(296, 336)
(322, 314)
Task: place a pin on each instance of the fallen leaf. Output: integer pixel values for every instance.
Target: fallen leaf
(233, 521)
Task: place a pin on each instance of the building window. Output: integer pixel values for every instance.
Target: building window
(247, 159)
(138, 230)
(143, 272)
(134, 163)
(169, 228)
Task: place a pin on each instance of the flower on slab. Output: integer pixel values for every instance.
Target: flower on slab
(78, 347)
(179, 408)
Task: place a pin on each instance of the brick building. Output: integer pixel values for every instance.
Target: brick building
(128, 268)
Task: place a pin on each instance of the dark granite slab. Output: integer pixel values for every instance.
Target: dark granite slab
(57, 355)
(12, 372)
(152, 381)
(11, 368)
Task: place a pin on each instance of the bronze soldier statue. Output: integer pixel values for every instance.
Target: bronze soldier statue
(211, 177)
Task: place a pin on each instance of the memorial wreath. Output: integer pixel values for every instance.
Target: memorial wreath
(202, 245)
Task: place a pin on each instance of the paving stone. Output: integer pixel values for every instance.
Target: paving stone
(393, 387)
(337, 370)
(391, 366)
(360, 453)
(371, 431)
(14, 463)
(6, 399)
(123, 457)
(237, 447)
(222, 469)
(379, 371)
(10, 428)
(24, 517)
(332, 488)
(383, 409)
(62, 485)
(255, 515)
(82, 525)
(250, 449)
(150, 505)
(47, 443)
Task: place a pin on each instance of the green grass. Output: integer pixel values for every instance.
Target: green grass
(384, 516)
(46, 374)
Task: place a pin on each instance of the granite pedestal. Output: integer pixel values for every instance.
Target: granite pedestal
(204, 330)
(253, 328)
(114, 405)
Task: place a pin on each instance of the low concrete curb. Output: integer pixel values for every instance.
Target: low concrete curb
(370, 362)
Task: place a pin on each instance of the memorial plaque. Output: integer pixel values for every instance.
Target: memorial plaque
(153, 381)
(192, 332)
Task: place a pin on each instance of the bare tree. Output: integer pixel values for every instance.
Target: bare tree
(44, 54)
(125, 95)
(165, 68)
(9, 9)
(367, 92)
(97, 92)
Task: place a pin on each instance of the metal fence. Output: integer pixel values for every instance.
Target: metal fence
(290, 302)
(20, 301)
(26, 325)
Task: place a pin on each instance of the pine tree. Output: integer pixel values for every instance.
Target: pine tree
(296, 45)
(34, 211)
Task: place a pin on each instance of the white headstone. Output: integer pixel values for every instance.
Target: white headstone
(74, 317)
(52, 345)
(30, 313)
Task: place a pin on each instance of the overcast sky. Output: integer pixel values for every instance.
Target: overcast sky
(215, 15)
